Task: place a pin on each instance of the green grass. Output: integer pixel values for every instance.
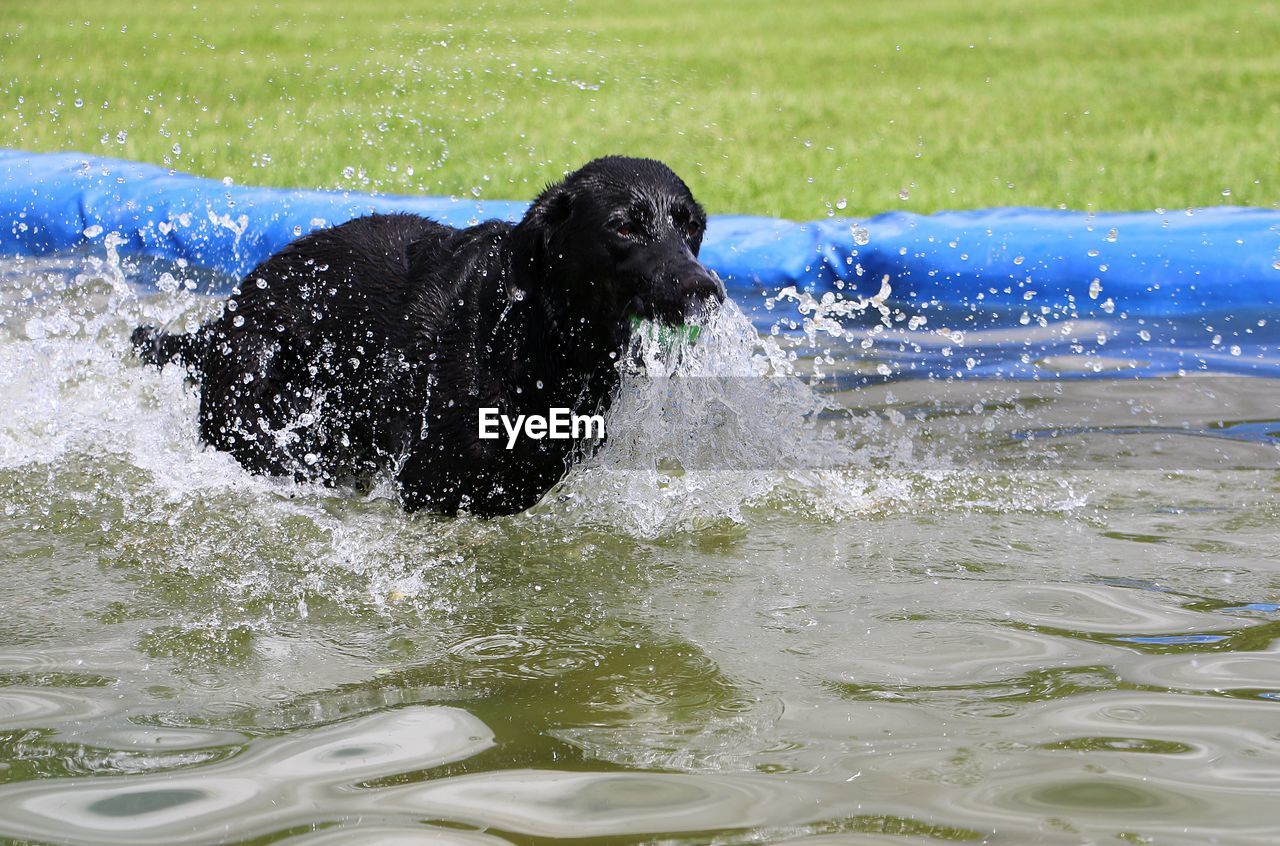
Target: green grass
(772, 108)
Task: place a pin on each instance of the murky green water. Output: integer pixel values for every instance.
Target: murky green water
(924, 619)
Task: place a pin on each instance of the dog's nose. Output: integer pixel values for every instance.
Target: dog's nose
(697, 283)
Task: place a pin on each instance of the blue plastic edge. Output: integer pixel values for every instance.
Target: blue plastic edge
(985, 268)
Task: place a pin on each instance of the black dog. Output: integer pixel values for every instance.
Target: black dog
(373, 345)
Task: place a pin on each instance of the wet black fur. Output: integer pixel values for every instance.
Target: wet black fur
(371, 346)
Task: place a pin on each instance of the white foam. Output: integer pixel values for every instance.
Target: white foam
(699, 436)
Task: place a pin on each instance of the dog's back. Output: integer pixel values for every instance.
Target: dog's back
(282, 386)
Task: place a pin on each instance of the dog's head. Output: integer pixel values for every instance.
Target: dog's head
(620, 238)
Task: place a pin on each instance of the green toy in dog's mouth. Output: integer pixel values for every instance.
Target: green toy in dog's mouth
(666, 334)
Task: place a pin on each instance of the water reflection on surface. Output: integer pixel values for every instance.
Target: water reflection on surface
(1036, 612)
(274, 783)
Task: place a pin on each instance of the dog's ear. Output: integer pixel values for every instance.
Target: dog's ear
(552, 208)
(542, 222)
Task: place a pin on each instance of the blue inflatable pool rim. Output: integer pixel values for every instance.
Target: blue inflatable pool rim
(1176, 290)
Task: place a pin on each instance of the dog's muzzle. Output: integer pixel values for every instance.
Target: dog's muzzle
(699, 290)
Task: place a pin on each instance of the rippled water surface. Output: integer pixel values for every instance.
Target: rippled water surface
(899, 611)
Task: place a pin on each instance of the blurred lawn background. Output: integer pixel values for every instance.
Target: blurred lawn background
(790, 109)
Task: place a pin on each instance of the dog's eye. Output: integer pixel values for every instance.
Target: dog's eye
(625, 229)
(685, 222)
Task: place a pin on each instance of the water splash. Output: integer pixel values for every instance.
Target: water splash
(701, 434)
(700, 437)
